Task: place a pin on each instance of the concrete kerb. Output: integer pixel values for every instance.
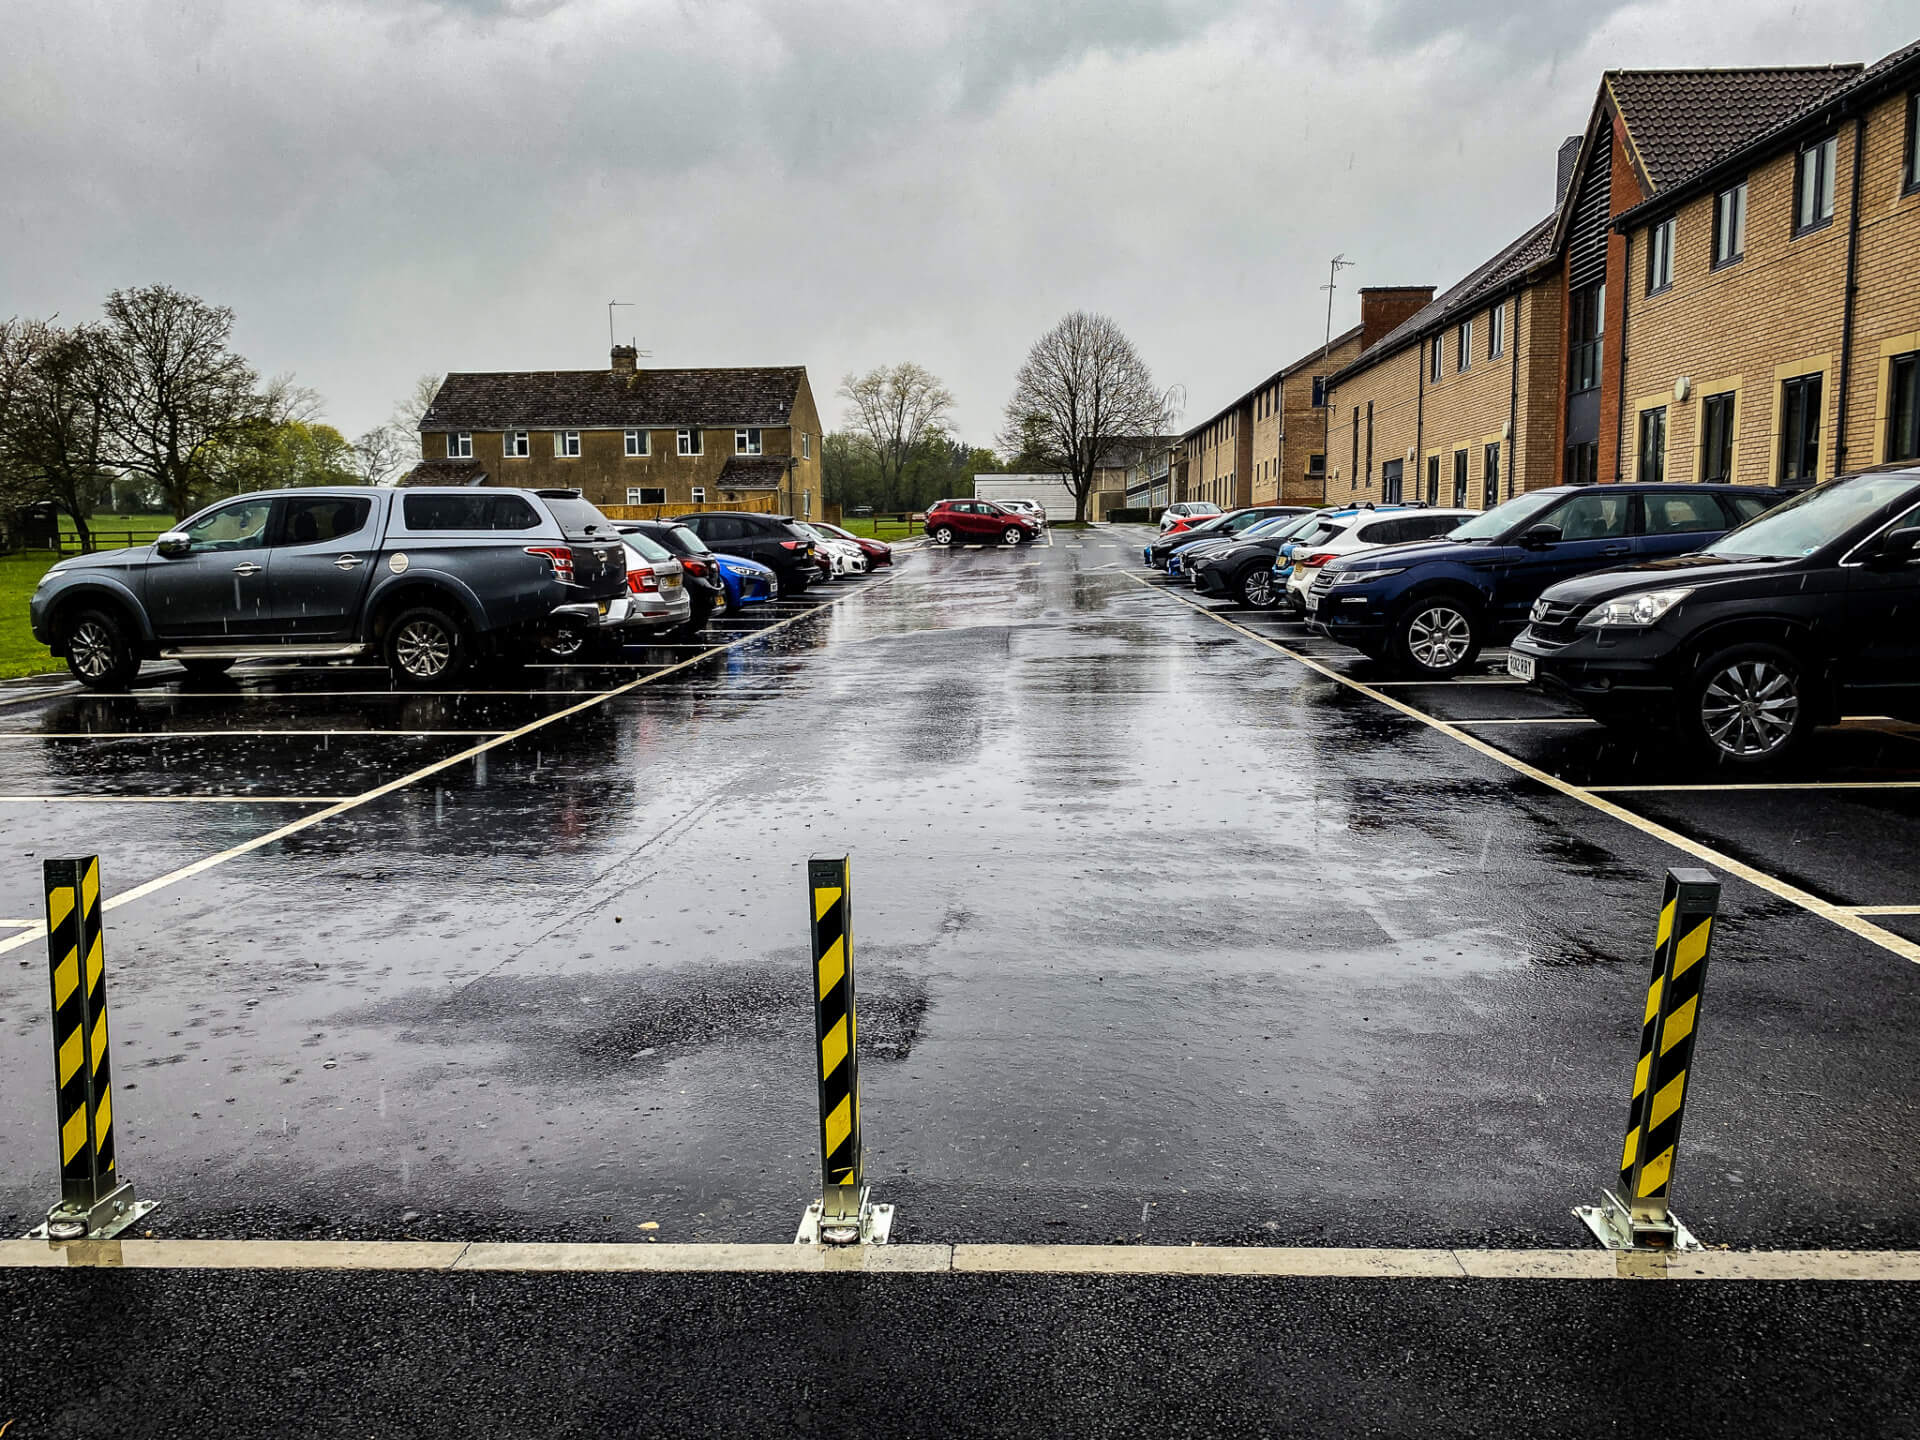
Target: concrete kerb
(1199, 1262)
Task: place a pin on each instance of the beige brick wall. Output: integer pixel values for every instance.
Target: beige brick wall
(1542, 412)
(1264, 443)
(1307, 426)
(1214, 471)
(1778, 312)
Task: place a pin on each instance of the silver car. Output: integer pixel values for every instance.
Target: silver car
(656, 600)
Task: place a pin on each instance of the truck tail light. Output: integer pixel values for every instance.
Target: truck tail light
(643, 581)
(558, 556)
(1313, 562)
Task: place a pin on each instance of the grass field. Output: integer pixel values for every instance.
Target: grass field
(20, 653)
(881, 527)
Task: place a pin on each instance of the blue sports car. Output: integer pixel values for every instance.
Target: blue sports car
(748, 582)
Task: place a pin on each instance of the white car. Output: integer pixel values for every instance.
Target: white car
(846, 557)
(1173, 514)
(1032, 509)
(1364, 530)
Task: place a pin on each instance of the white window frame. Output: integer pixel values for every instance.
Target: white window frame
(699, 493)
(633, 494)
(1497, 331)
(1464, 361)
(460, 445)
(747, 442)
(1730, 225)
(566, 444)
(518, 445)
(639, 444)
(1660, 241)
(806, 446)
(687, 442)
(1436, 362)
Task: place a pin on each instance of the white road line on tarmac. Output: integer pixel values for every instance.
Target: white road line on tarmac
(1172, 1261)
(1447, 684)
(172, 800)
(294, 827)
(29, 697)
(1882, 909)
(238, 694)
(217, 734)
(1758, 785)
(1535, 720)
(1838, 914)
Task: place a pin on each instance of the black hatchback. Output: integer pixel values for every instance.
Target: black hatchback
(1787, 622)
(769, 539)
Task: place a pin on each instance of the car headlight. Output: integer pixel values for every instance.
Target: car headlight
(1355, 577)
(1642, 609)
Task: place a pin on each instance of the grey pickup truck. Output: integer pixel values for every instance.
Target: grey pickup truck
(429, 580)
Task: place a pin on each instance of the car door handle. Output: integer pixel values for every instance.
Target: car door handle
(246, 567)
(346, 562)
(1617, 550)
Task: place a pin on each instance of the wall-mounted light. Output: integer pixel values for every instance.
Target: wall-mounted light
(1683, 387)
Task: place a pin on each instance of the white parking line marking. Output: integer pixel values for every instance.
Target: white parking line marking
(1455, 680)
(1172, 1261)
(217, 734)
(256, 694)
(1882, 909)
(1760, 785)
(1896, 944)
(1539, 720)
(305, 822)
(172, 799)
(30, 697)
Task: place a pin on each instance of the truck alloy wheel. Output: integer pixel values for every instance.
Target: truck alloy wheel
(98, 652)
(564, 641)
(424, 648)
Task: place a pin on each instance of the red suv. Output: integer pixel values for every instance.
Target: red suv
(951, 522)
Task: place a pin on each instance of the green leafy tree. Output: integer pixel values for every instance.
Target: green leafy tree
(54, 396)
(280, 454)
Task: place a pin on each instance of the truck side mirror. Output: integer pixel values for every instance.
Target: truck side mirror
(173, 544)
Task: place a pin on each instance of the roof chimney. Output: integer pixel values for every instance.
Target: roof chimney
(1569, 157)
(1384, 307)
(624, 357)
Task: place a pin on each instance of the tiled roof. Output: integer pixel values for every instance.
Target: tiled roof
(446, 472)
(601, 399)
(1680, 121)
(753, 472)
(1858, 83)
(1478, 286)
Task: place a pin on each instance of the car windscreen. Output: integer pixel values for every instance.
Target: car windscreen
(579, 518)
(1203, 507)
(1819, 517)
(695, 545)
(1491, 524)
(647, 546)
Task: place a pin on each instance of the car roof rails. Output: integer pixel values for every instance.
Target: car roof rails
(558, 494)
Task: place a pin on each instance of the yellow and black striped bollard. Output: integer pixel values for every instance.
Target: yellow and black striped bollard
(94, 1201)
(1638, 1215)
(844, 1214)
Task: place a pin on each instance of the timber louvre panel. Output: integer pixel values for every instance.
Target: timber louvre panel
(82, 1074)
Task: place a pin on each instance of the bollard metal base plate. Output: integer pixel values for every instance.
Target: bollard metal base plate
(873, 1226)
(102, 1220)
(1614, 1226)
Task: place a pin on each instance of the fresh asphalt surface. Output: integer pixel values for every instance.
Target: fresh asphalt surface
(1162, 937)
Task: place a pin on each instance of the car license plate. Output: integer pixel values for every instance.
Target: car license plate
(1520, 665)
(1313, 604)
(669, 582)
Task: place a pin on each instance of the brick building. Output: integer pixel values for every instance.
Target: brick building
(1457, 404)
(676, 439)
(1771, 296)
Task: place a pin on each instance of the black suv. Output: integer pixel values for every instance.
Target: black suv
(1783, 624)
(769, 539)
(706, 592)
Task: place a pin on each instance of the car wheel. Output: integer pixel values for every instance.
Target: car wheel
(1258, 589)
(564, 641)
(943, 535)
(1012, 535)
(99, 653)
(1438, 637)
(425, 648)
(1749, 705)
(206, 669)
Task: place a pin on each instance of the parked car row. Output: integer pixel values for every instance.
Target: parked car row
(954, 522)
(430, 580)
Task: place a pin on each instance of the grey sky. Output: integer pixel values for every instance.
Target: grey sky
(381, 189)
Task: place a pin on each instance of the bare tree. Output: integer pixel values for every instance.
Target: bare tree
(177, 387)
(404, 426)
(54, 396)
(1082, 386)
(897, 411)
(378, 452)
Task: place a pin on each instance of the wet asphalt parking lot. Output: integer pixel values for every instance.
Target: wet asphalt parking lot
(1169, 930)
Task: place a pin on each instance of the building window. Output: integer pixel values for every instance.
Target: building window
(1459, 479)
(1583, 463)
(460, 447)
(1813, 185)
(518, 447)
(1800, 427)
(688, 442)
(1353, 453)
(746, 442)
(806, 446)
(1369, 443)
(1586, 327)
(1716, 438)
(699, 493)
(1497, 331)
(1730, 225)
(639, 443)
(1317, 465)
(1390, 473)
(633, 494)
(1913, 141)
(566, 444)
(1463, 346)
(1490, 475)
(1433, 479)
(653, 495)
(1653, 445)
(1433, 361)
(1660, 256)
(1903, 406)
